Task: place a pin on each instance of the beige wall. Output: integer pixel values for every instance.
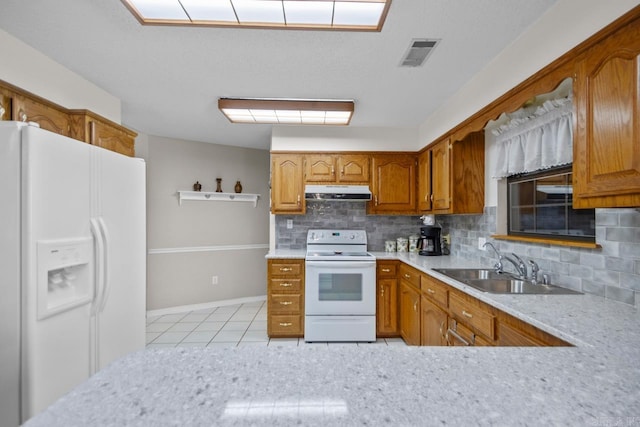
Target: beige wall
(340, 138)
(28, 69)
(189, 244)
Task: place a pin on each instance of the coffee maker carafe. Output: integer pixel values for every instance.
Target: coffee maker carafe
(429, 242)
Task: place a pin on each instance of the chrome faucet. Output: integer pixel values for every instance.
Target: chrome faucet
(520, 266)
(534, 272)
(498, 265)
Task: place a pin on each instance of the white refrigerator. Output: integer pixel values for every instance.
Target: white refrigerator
(73, 262)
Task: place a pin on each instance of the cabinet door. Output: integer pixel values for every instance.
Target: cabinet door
(409, 314)
(387, 307)
(286, 184)
(394, 184)
(424, 181)
(319, 168)
(5, 105)
(105, 136)
(353, 168)
(441, 175)
(433, 324)
(606, 166)
(29, 110)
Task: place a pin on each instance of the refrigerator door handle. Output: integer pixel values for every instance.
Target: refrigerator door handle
(99, 265)
(105, 264)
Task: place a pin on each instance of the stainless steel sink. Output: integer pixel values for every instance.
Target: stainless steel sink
(488, 280)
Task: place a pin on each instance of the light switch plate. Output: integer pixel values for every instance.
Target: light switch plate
(289, 224)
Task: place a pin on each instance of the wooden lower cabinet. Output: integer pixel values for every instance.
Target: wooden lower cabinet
(285, 298)
(409, 313)
(433, 324)
(387, 299)
(433, 313)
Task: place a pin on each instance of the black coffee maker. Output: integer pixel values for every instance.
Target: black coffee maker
(429, 243)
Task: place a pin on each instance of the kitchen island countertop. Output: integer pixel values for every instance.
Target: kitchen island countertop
(595, 383)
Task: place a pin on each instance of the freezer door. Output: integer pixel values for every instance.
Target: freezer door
(56, 206)
(10, 267)
(119, 317)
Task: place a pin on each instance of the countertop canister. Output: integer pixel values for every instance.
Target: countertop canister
(402, 244)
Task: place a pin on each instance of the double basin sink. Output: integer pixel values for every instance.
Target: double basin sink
(488, 280)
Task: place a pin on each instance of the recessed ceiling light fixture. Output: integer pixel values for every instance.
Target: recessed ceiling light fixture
(354, 15)
(287, 111)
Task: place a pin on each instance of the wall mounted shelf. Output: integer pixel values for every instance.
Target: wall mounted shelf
(219, 197)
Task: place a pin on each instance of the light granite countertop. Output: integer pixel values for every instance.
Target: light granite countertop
(595, 383)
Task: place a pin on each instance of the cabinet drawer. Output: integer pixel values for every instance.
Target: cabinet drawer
(287, 303)
(285, 269)
(387, 270)
(286, 326)
(410, 275)
(285, 285)
(435, 290)
(472, 315)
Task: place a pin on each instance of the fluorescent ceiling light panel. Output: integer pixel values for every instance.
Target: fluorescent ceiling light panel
(259, 11)
(358, 15)
(287, 111)
(207, 10)
(161, 9)
(309, 12)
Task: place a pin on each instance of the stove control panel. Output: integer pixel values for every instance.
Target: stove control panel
(337, 237)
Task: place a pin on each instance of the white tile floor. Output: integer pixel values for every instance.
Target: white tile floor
(232, 325)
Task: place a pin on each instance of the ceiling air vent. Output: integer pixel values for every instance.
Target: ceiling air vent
(418, 52)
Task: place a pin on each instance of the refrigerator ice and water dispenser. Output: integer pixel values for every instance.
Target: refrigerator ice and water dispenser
(65, 275)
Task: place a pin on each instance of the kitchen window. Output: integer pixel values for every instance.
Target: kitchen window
(541, 205)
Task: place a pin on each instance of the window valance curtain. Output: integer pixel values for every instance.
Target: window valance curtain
(535, 139)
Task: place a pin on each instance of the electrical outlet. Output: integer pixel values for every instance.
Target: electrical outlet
(289, 224)
(214, 280)
(481, 242)
(447, 239)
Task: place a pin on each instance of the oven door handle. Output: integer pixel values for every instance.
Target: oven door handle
(341, 264)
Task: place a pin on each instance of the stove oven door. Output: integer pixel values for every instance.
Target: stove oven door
(340, 288)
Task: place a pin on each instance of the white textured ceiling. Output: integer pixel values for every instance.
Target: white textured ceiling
(169, 78)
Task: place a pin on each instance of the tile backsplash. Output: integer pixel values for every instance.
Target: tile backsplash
(345, 215)
(611, 271)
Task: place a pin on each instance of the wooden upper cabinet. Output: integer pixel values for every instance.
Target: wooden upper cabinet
(393, 184)
(27, 109)
(606, 166)
(343, 168)
(95, 130)
(5, 105)
(441, 175)
(287, 186)
(424, 181)
(455, 182)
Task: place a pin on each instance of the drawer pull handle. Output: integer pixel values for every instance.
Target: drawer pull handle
(467, 314)
(286, 269)
(407, 276)
(286, 285)
(386, 270)
(286, 302)
(285, 324)
(431, 291)
(457, 337)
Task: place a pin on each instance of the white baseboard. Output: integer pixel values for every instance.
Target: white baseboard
(204, 306)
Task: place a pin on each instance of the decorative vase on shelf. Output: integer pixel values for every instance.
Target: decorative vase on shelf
(238, 187)
(219, 183)
(197, 186)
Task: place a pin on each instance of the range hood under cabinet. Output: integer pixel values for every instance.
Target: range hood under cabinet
(337, 192)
